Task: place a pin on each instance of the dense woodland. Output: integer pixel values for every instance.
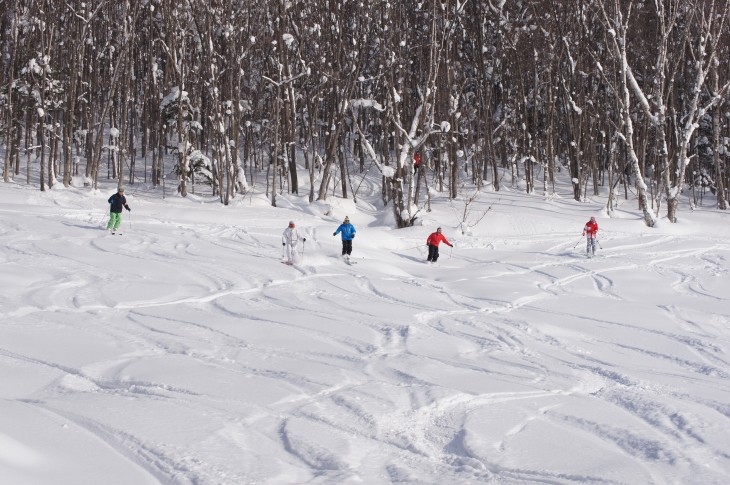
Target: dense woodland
(628, 97)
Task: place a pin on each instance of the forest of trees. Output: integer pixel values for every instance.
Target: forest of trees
(628, 96)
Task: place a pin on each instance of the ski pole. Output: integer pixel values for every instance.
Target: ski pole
(599, 244)
(576, 244)
(130, 220)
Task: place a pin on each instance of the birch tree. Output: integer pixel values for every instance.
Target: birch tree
(617, 27)
(710, 21)
(414, 126)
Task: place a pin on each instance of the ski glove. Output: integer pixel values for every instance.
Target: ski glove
(128, 209)
(305, 239)
(334, 233)
(283, 244)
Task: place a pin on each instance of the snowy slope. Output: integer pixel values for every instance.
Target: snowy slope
(182, 352)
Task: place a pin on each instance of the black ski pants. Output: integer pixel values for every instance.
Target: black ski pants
(346, 247)
(433, 253)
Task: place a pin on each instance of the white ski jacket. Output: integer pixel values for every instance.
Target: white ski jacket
(291, 237)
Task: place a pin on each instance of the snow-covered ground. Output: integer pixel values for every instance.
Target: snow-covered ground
(183, 352)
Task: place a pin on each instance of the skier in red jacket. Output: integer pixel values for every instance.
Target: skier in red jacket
(433, 242)
(416, 162)
(590, 231)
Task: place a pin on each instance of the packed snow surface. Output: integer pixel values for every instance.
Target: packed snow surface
(183, 352)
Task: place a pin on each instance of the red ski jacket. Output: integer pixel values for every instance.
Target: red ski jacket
(591, 229)
(435, 239)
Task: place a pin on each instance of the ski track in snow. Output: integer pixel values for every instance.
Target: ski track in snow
(392, 378)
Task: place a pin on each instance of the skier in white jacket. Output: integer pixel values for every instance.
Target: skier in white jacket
(290, 240)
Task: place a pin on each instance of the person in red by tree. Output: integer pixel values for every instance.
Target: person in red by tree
(416, 162)
(433, 242)
(590, 231)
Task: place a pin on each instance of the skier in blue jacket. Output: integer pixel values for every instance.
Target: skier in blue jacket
(117, 201)
(348, 234)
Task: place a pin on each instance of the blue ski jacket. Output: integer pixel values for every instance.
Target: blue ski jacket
(347, 230)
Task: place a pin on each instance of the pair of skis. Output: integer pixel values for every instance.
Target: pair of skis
(347, 261)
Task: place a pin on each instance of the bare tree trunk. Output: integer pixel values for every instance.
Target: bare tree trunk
(130, 18)
(711, 23)
(717, 161)
(9, 123)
